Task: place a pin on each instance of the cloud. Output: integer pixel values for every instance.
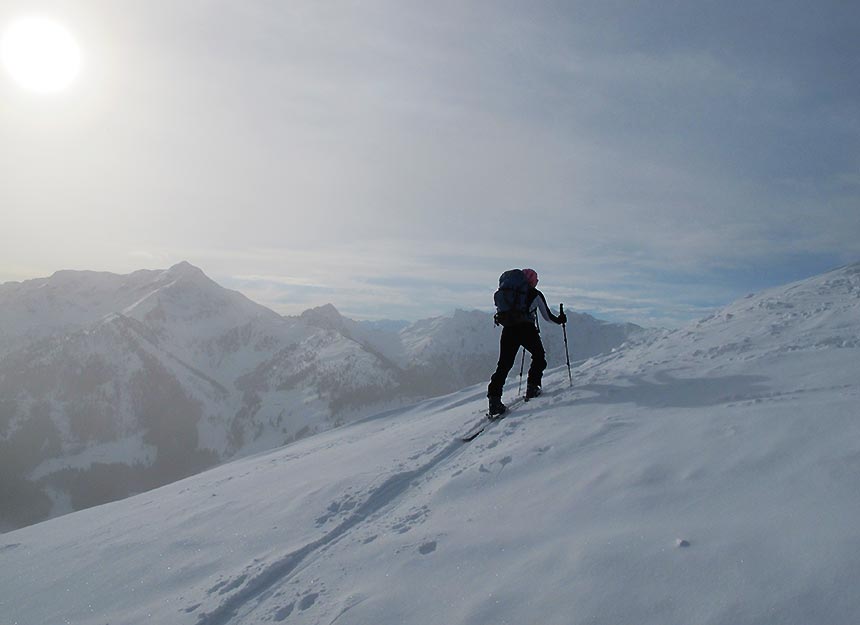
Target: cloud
(395, 158)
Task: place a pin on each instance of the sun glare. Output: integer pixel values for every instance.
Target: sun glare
(40, 54)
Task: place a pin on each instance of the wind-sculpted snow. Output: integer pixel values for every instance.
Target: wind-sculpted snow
(663, 487)
(251, 588)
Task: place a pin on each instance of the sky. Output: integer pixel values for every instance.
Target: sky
(651, 160)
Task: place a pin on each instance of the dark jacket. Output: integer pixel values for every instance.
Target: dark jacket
(537, 302)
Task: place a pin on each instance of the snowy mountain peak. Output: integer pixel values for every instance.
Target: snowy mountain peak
(325, 316)
(72, 299)
(184, 294)
(186, 271)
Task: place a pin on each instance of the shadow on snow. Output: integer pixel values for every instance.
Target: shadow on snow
(665, 391)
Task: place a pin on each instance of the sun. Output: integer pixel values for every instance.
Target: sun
(40, 54)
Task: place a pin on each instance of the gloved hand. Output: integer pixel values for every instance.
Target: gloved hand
(562, 318)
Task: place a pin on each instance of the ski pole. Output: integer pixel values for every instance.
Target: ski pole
(522, 366)
(566, 351)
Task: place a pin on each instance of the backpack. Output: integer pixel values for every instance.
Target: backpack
(512, 299)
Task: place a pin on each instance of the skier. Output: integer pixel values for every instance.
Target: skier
(517, 304)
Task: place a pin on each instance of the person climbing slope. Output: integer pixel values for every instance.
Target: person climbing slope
(517, 302)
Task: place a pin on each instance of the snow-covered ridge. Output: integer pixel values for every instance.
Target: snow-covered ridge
(814, 314)
(707, 475)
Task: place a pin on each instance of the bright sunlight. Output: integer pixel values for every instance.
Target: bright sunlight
(40, 54)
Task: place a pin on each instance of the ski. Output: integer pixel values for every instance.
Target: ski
(473, 432)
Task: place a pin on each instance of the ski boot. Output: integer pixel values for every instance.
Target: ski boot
(497, 408)
(532, 391)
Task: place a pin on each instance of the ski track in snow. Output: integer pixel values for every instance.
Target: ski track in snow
(255, 588)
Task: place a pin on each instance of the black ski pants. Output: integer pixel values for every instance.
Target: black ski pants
(513, 337)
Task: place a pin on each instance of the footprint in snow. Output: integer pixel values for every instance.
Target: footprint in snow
(307, 601)
(426, 452)
(217, 587)
(232, 585)
(415, 517)
(283, 613)
(335, 508)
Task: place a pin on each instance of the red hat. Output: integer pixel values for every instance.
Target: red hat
(531, 277)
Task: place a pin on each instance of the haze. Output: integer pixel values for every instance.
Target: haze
(650, 160)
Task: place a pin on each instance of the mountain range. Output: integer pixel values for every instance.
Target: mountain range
(115, 384)
(701, 475)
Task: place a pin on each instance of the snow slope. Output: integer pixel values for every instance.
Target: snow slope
(708, 476)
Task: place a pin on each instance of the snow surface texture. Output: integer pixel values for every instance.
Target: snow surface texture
(111, 385)
(707, 476)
